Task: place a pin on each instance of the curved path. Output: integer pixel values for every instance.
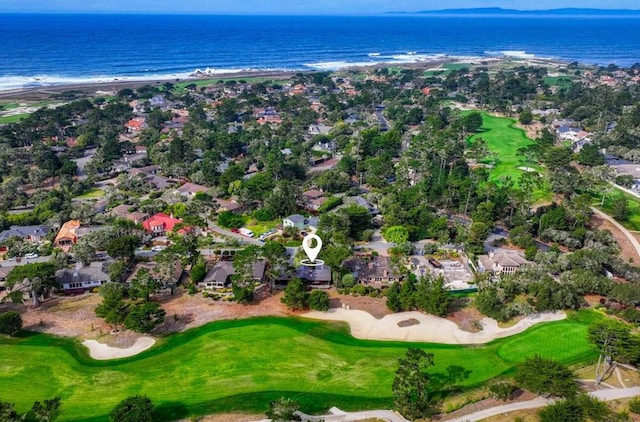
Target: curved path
(99, 351)
(634, 242)
(605, 395)
(425, 328)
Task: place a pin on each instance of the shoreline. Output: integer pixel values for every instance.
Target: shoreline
(90, 88)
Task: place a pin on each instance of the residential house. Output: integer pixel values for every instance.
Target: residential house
(228, 205)
(319, 129)
(375, 270)
(4, 272)
(189, 190)
(160, 224)
(136, 125)
(145, 171)
(503, 262)
(125, 212)
(360, 201)
(159, 273)
(317, 277)
(313, 199)
(32, 234)
(68, 235)
(82, 279)
(219, 277)
(296, 220)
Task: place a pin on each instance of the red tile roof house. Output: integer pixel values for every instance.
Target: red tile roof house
(161, 224)
(136, 124)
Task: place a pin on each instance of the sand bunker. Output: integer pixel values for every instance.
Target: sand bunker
(101, 351)
(429, 329)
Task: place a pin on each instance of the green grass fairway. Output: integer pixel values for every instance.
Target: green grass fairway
(563, 81)
(13, 119)
(241, 365)
(505, 140)
(93, 193)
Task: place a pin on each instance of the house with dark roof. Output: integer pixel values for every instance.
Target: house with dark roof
(219, 277)
(316, 277)
(32, 234)
(82, 279)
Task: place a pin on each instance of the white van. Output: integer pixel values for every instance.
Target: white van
(246, 232)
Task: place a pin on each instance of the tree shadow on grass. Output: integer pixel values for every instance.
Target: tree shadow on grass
(443, 384)
(170, 411)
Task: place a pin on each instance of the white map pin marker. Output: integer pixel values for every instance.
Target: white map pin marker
(312, 252)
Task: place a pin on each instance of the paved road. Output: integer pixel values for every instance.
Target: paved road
(237, 236)
(84, 160)
(627, 233)
(605, 395)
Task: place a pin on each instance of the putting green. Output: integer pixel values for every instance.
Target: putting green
(241, 365)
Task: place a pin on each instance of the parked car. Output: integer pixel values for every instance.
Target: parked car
(32, 255)
(158, 248)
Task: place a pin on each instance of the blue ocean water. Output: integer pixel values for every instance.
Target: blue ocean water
(41, 49)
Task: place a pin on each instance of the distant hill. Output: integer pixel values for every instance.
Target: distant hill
(501, 11)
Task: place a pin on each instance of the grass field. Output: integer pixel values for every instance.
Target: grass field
(13, 119)
(93, 193)
(241, 365)
(633, 205)
(557, 80)
(504, 139)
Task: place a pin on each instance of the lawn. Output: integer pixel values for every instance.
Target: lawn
(93, 193)
(633, 206)
(241, 365)
(259, 227)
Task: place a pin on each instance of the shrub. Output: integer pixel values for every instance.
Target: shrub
(10, 323)
(319, 300)
(133, 409)
(502, 390)
(634, 406)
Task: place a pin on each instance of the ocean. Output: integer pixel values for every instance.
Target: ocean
(45, 49)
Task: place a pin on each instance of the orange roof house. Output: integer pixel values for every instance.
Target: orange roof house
(67, 236)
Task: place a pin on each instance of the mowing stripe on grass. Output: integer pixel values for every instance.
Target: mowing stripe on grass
(244, 364)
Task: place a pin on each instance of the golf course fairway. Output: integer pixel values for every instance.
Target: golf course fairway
(241, 365)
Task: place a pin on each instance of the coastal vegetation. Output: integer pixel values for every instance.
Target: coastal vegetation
(189, 373)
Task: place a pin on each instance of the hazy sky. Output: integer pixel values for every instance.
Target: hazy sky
(293, 6)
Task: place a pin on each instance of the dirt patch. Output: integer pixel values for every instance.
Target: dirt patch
(466, 317)
(408, 323)
(376, 306)
(627, 251)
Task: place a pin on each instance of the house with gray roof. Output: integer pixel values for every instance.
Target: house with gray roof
(219, 277)
(33, 234)
(82, 279)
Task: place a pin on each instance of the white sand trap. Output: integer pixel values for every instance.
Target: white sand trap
(528, 169)
(101, 351)
(430, 329)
